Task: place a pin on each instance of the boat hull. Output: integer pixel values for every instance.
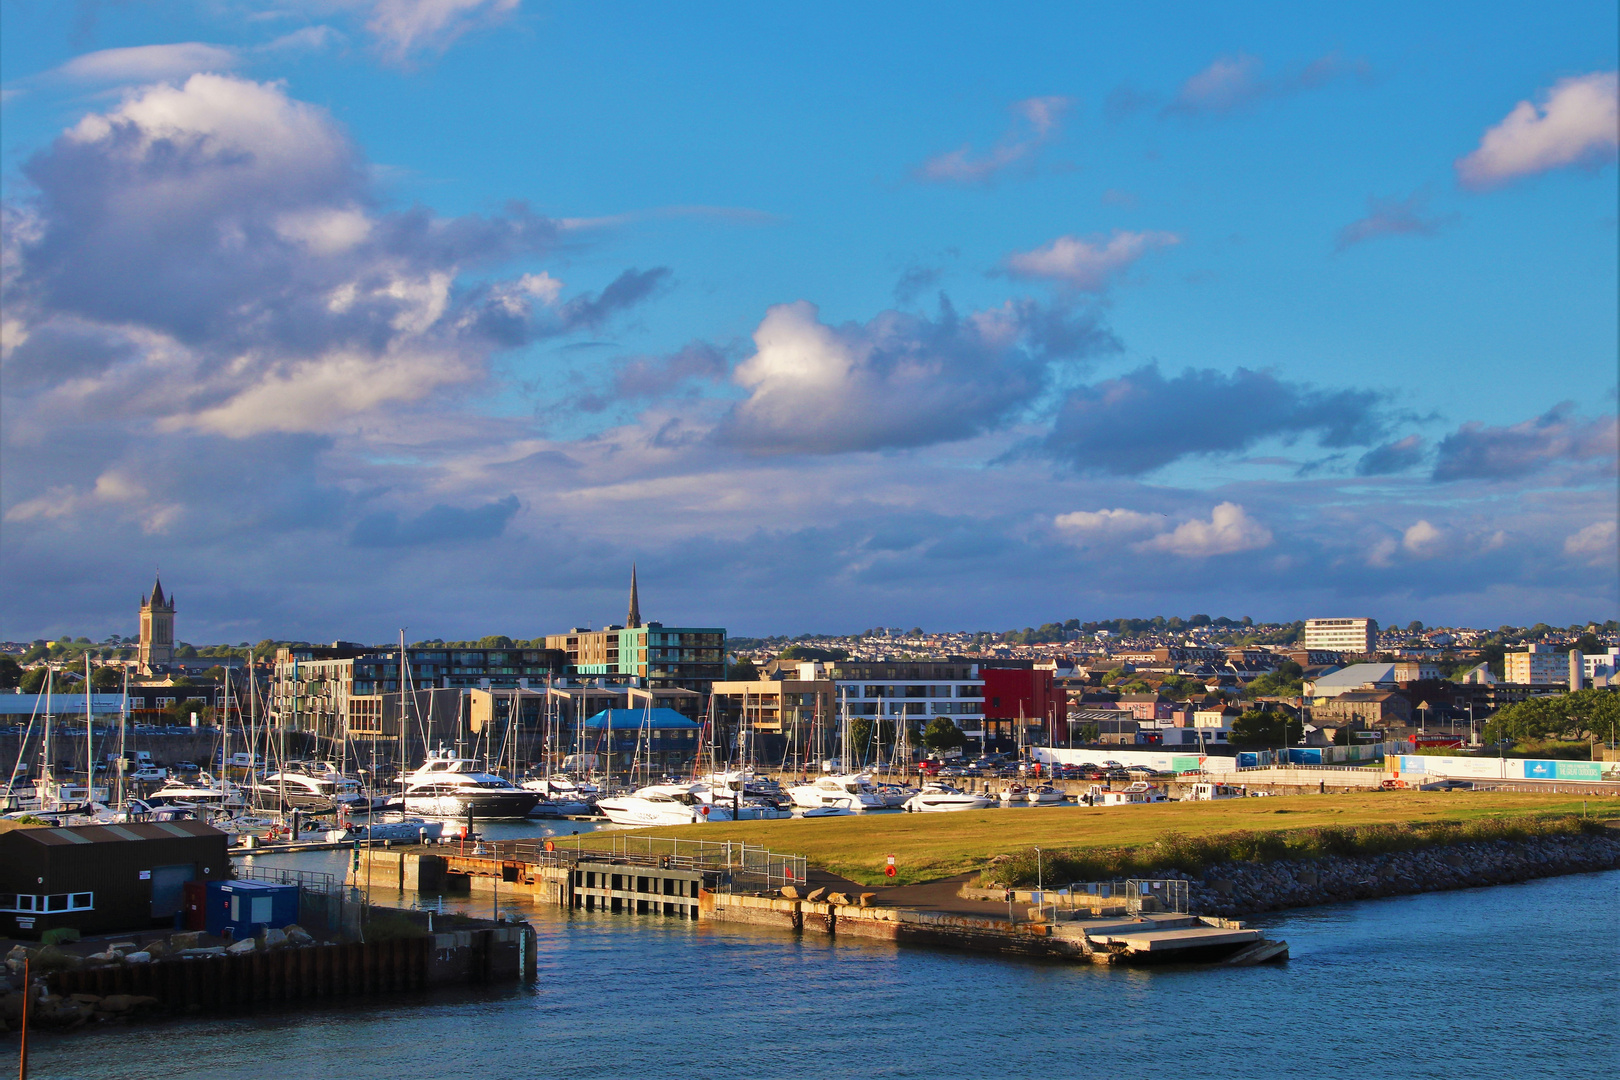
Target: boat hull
(484, 805)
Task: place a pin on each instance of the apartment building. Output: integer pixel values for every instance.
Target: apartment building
(1342, 635)
(690, 657)
(917, 689)
(1538, 665)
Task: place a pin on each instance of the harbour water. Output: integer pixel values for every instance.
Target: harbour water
(1512, 981)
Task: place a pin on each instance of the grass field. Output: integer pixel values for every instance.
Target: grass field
(931, 846)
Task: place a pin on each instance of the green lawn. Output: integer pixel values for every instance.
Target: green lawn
(931, 846)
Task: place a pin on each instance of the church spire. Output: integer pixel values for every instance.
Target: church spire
(633, 620)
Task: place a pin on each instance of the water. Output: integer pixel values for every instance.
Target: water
(1512, 981)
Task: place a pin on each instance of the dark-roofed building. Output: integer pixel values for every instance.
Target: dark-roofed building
(104, 878)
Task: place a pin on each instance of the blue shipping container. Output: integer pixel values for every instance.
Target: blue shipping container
(246, 906)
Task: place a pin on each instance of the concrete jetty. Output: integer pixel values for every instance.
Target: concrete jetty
(726, 883)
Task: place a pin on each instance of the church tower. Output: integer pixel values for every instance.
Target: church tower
(633, 620)
(157, 629)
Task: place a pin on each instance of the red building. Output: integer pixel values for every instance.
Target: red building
(1011, 693)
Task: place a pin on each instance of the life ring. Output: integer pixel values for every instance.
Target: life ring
(551, 845)
(704, 810)
(273, 835)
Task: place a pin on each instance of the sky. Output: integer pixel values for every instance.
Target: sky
(439, 314)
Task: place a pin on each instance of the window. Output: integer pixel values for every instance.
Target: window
(54, 902)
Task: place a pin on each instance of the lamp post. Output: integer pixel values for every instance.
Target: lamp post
(1038, 877)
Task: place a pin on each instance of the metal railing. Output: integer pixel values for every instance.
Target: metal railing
(1137, 895)
(313, 880)
(735, 864)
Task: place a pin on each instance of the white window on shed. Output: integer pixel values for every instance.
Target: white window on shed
(261, 909)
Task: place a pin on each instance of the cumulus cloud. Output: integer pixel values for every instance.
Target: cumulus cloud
(1142, 421)
(1597, 543)
(1228, 531)
(1478, 452)
(1087, 264)
(1392, 217)
(1036, 122)
(1085, 525)
(1423, 540)
(404, 28)
(900, 379)
(1577, 123)
(1233, 82)
(1392, 457)
(439, 524)
(651, 377)
(211, 255)
(148, 63)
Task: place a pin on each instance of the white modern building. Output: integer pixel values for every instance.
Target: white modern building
(1342, 635)
(919, 689)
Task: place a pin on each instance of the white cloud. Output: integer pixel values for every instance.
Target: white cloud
(1082, 525)
(1228, 82)
(1228, 530)
(1038, 122)
(1087, 264)
(1596, 542)
(148, 63)
(1423, 540)
(1578, 123)
(405, 27)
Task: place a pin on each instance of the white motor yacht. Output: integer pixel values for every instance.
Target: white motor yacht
(851, 791)
(561, 797)
(452, 787)
(663, 804)
(1136, 794)
(1045, 795)
(204, 791)
(1202, 792)
(1015, 795)
(318, 789)
(934, 798)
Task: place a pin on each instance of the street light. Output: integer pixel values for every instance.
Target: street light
(1038, 878)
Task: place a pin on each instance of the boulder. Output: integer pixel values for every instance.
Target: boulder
(789, 892)
(837, 898)
(1222, 886)
(243, 947)
(140, 957)
(188, 939)
(1308, 878)
(156, 948)
(111, 956)
(211, 950)
(124, 946)
(86, 999)
(273, 938)
(816, 894)
(1455, 860)
(297, 935)
(11, 1006)
(867, 898)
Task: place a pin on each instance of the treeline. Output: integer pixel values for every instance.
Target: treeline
(1586, 714)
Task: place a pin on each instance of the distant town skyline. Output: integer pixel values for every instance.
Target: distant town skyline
(359, 316)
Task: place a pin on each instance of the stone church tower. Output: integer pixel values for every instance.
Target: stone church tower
(157, 629)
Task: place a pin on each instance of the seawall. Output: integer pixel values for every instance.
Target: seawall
(1233, 889)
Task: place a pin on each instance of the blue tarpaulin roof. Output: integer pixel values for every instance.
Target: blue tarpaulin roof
(630, 719)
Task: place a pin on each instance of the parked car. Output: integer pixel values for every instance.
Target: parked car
(186, 767)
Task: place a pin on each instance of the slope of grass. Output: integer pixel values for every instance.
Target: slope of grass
(931, 846)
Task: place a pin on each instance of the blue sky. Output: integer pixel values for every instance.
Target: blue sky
(440, 312)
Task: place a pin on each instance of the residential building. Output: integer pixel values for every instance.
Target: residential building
(1538, 665)
(691, 657)
(918, 689)
(1407, 671)
(1597, 665)
(798, 697)
(1148, 707)
(1342, 635)
(341, 690)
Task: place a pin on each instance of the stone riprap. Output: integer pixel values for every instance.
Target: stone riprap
(1232, 889)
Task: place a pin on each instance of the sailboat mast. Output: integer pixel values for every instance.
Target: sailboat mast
(123, 731)
(89, 735)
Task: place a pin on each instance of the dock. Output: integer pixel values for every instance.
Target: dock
(1112, 923)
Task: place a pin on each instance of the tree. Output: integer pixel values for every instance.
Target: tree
(186, 652)
(1591, 713)
(1266, 728)
(942, 734)
(33, 681)
(107, 679)
(496, 641)
(1588, 643)
(742, 671)
(11, 673)
(1415, 626)
(810, 652)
